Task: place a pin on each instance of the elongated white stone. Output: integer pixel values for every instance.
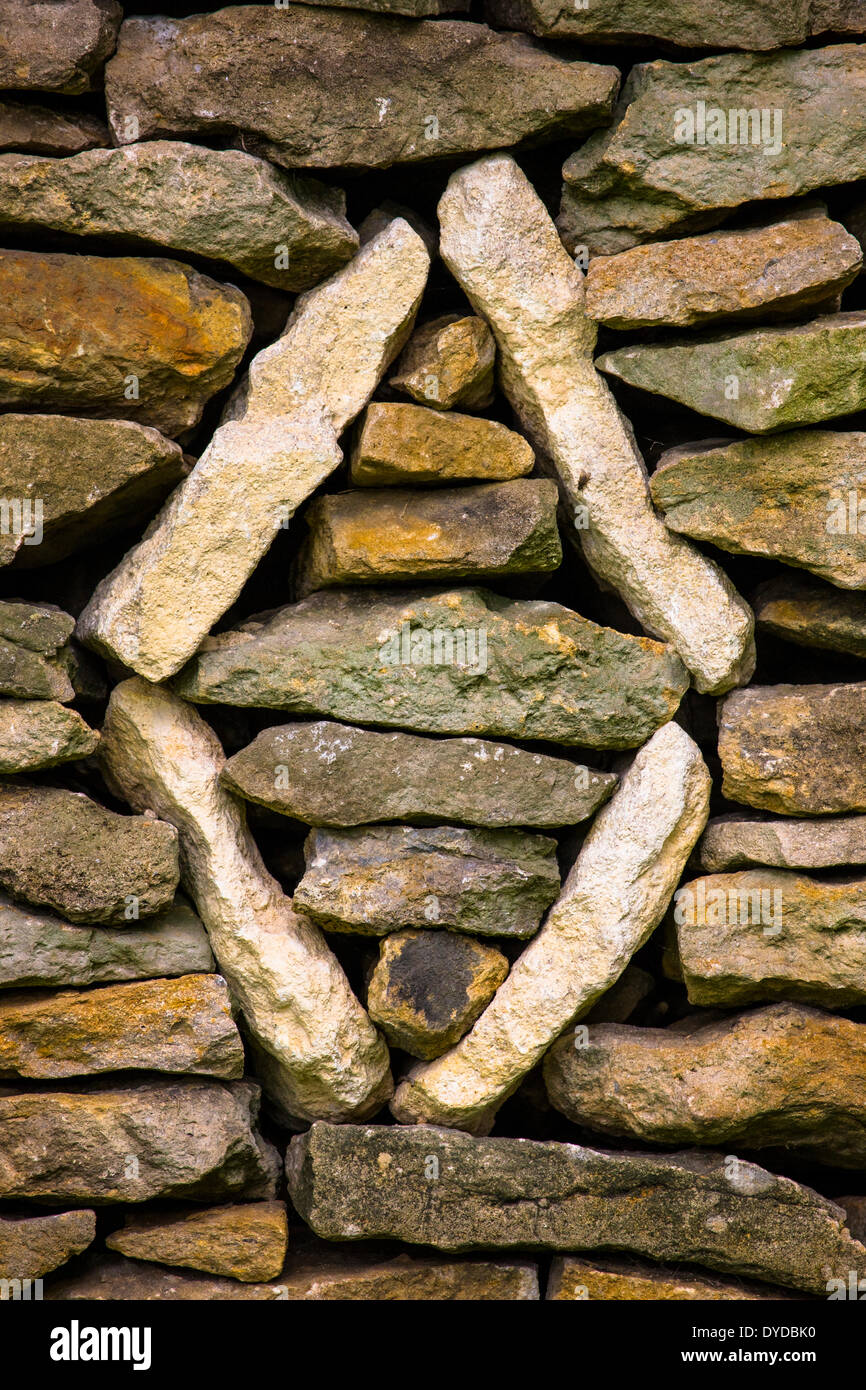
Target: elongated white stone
(318, 1054)
(276, 445)
(614, 897)
(500, 243)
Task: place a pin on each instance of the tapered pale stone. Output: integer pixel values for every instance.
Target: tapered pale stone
(317, 1052)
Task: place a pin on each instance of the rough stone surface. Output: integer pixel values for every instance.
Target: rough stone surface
(415, 9)
(359, 1182)
(735, 842)
(56, 47)
(40, 130)
(574, 1277)
(224, 205)
(460, 662)
(325, 773)
(191, 1138)
(183, 1025)
(448, 361)
(279, 437)
(245, 1241)
(34, 656)
(429, 987)
(788, 498)
(377, 879)
(402, 444)
(796, 749)
(40, 733)
(61, 850)
(31, 1246)
(39, 949)
(317, 1052)
(143, 339)
(637, 181)
(785, 1075)
(261, 73)
(499, 242)
(401, 535)
(763, 271)
(92, 479)
(613, 899)
(812, 614)
(760, 379)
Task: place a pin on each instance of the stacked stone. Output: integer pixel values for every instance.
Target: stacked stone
(517, 936)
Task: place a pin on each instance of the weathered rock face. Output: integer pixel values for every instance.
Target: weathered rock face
(696, 139)
(41, 733)
(688, 24)
(279, 436)
(56, 47)
(61, 850)
(259, 73)
(762, 379)
(614, 897)
(377, 879)
(770, 934)
(448, 361)
(34, 656)
(40, 130)
(181, 1025)
(246, 1242)
(429, 987)
(812, 614)
(398, 535)
(83, 480)
(357, 1182)
(499, 242)
(317, 1052)
(146, 340)
(784, 1075)
(31, 1246)
(133, 1142)
(461, 662)
(224, 205)
(780, 269)
(574, 1277)
(733, 842)
(796, 749)
(37, 948)
(402, 444)
(325, 773)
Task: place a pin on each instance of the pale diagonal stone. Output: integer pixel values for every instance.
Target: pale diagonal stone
(275, 446)
(318, 1053)
(499, 242)
(613, 899)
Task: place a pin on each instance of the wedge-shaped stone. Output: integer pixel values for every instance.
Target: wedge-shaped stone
(379, 878)
(693, 140)
(334, 774)
(401, 444)
(395, 535)
(40, 733)
(31, 1246)
(461, 662)
(795, 749)
(613, 899)
(56, 46)
(448, 361)
(275, 447)
(246, 1241)
(499, 242)
(357, 1181)
(791, 498)
(812, 614)
(735, 842)
(688, 23)
(284, 82)
(618, 1280)
(183, 1025)
(770, 934)
(38, 949)
(316, 1050)
(780, 269)
(224, 205)
(785, 1076)
(761, 379)
(39, 130)
(133, 1142)
(78, 481)
(147, 340)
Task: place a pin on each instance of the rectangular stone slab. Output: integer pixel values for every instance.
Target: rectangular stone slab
(39, 130)
(410, 444)
(31, 1246)
(736, 842)
(618, 1280)
(687, 23)
(58, 47)
(354, 1182)
(812, 614)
